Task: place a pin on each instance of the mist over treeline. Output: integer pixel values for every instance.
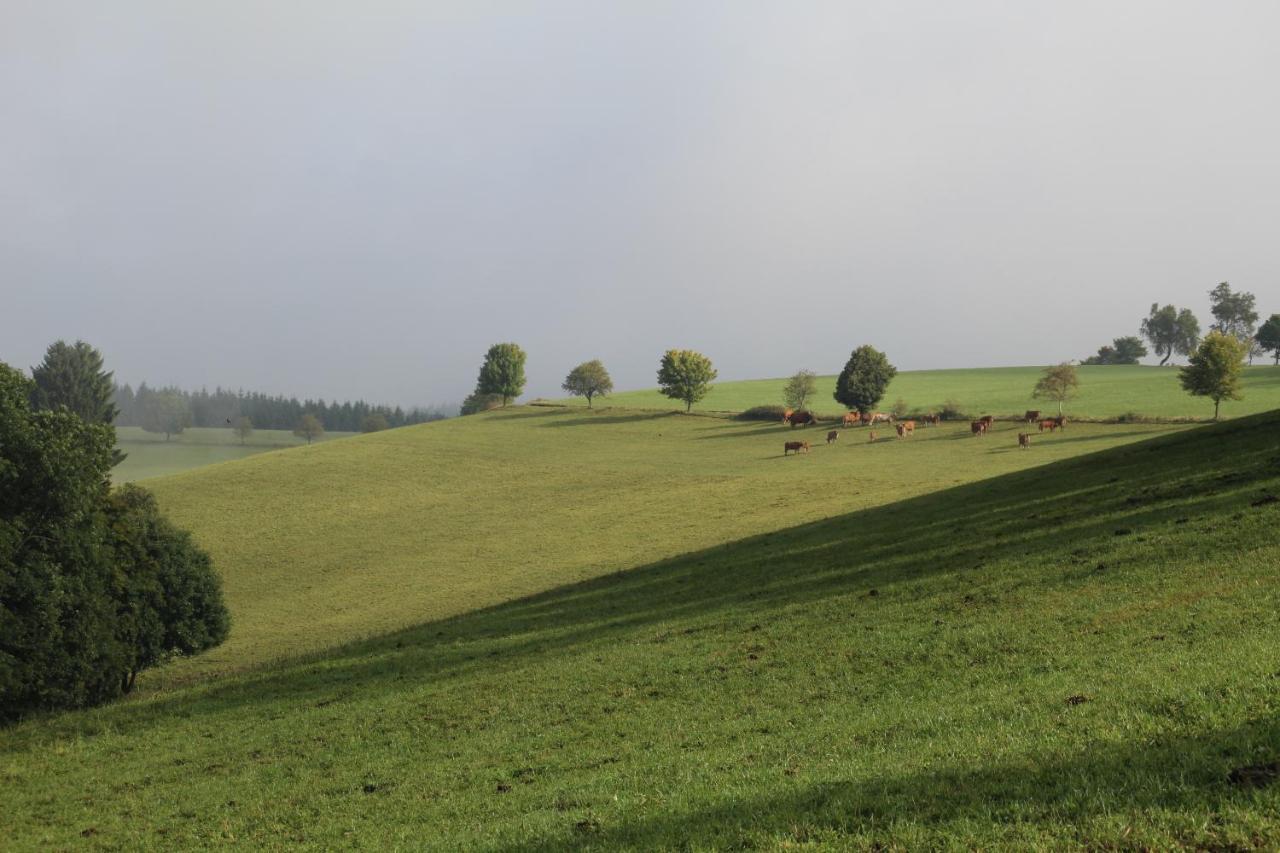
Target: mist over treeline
(221, 407)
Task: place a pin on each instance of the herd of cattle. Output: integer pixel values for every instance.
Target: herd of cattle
(907, 428)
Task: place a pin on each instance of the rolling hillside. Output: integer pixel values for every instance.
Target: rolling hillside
(1105, 392)
(942, 641)
(150, 455)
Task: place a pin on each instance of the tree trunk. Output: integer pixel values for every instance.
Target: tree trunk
(588, 401)
(1166, 356)
(688, 406)
(1215, 409)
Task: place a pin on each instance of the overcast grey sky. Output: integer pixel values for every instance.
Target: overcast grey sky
(357, 199)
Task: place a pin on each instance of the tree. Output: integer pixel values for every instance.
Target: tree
(375, 422)
(588, 379)
(309, 427)
(1268, 336)
(243, 428)
(1234, 313)
(1122, 351)
(502, 373)
(166, 412)
(799, 389)
(1214, 369)
(171, 599)
(1058, 383)
(72, 376)
(685, 375)
(865, 378)
(1170, 330)
(477, 402)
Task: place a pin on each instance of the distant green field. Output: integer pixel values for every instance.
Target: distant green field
(540, 629)
(151, 456)
(1105, 392)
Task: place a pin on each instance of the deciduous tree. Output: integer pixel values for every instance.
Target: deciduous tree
(243, 428)
(1058, 383)
(375, 422)
(589, 380)
(1234, 312)
(1268, 336)
(166, 412)
(685, 375)
(1122, 351)
(502, 373)
(799, 389)
(865, 378)
(309, 427)
(1214, 369)
(1171, 330)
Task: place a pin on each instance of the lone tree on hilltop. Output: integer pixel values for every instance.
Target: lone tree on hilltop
(309, 427)
(1268, 336)
(685, 375)
(1214, 370)
(71, 376)
(1171, 330)
(502, 373)
(243, 428)
(1058, 383)
(589, 380)
(800, 389)
(865, 378)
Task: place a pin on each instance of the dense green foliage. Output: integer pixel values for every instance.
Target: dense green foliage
(866, 376)
(1170, 330)
(476, 402)
(502, 374)
(1234, 312)
(309, 427)
(588, 380)
(374, 423)
(1215, 368)
(72, 376)
(94, 587)
(222, 407)
(961, 652)
(685, 375)
(166, 413)
(1268, 336)
(800, 389)
(1125, 350)
(1058, 383)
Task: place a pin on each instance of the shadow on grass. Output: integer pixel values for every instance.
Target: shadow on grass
(1050, 517)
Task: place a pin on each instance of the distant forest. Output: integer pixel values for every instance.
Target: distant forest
(221, 407)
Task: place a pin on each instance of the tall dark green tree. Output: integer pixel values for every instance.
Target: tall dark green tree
(685, 375)
(1268, 336)
(502, 373)
(865, 378)
(1170, 330)
(72, 376)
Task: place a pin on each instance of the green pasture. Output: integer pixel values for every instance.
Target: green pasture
(1105, 392)
(150, 455)
(542, 629)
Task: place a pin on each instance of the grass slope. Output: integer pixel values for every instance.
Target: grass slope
(150, 455)
(1078, 654)
(1105, 392)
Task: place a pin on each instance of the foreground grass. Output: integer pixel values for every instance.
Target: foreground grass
(150, 455)
(1105, 392)
(1079, 654)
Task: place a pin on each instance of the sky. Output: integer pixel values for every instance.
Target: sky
(342, 200)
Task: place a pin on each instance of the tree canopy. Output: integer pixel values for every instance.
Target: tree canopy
(1215, 369)
(1170, 330)
(72, 376)
(1125, 350)
(502, 373)
(1058, 383)
(243, 428)
(685, 375)
(309, 427)
(166, 413)
(799, 389)
(1234, 312)
(589, 379)
(1268, 336)
(865, 378)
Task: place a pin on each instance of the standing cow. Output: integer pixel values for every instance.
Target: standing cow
(797, 446)
(978, 428)
(1031, 416)
(906, 428)
(851, 419)
(1024, 439)
(803, 419)
(832, 436)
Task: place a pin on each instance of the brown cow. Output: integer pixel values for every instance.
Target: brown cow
(932, 419)
(803, 419)
(851, 419)
(1024, 439)
(1031, 416)
(786, 415)
(1048, 425)
(832, 436)
(906, 428)
(978, 427)
(1061, 421)
(988, 420)
(797, 446)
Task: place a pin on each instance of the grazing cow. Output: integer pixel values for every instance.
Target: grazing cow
(851, 419)
(786, 415)
(1031, 416)
(865, 417)
(1048, 425)
(978, 427)
(797, 446)
(832, 436)
(802, 419)
(1061, 421)
(871, 436)
(906, 428)
(1024, 439)
(932, 419)
(988, 420)
(879, 417)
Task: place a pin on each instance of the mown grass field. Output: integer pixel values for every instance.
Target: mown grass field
(1105, 392)
(942, 641)
(151, 456)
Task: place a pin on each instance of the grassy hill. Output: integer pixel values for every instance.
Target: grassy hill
(922, 643)
(1105, 392)
(150, 455)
